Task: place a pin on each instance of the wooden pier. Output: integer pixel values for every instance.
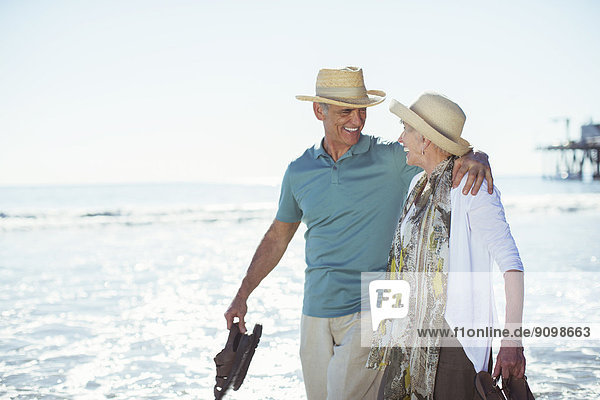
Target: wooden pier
(573, 155)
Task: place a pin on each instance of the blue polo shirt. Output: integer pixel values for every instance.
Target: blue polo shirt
(351, 209)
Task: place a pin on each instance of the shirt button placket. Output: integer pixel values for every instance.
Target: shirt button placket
(335, 174)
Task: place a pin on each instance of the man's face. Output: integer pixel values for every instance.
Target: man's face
(342, 125)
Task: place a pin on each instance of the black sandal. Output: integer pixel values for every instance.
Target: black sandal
(233, 361)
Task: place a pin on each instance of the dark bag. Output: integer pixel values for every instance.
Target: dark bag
(487, 387)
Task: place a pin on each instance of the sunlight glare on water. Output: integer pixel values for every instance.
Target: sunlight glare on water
(129, 304)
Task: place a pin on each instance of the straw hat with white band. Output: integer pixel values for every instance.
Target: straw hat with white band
(437, 118)
(344, 87)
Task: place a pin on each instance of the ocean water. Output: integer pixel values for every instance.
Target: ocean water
(118, 291)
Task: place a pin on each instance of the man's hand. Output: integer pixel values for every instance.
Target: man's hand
(510, 361)
(237, 308)
(477, 165)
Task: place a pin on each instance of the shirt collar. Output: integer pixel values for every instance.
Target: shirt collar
(320, 150)
(361, 147)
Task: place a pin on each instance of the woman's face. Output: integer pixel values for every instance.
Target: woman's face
(413, 145)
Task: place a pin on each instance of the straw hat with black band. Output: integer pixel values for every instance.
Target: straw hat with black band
(437, 118)
(344, 87)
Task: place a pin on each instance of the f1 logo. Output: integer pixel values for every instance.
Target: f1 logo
(388, 299)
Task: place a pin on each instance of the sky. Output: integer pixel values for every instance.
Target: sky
(119, 91)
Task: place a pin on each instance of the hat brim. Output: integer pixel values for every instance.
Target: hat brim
(411, 118)
(373, 98)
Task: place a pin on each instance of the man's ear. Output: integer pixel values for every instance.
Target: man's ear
(318, 109)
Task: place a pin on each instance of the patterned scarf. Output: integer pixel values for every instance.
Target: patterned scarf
(419, 255)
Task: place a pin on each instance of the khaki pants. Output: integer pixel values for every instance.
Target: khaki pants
(333, 361)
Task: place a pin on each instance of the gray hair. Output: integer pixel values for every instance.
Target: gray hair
(324, 107)
(436, 149)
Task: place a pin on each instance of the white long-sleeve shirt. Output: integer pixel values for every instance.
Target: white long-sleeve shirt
(479, 235)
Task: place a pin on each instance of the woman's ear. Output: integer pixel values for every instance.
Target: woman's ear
(426, 143)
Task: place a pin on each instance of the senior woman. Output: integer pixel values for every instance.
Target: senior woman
(444, 246)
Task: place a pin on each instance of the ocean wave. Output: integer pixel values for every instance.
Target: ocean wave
(80, 218)
(132, 216)
(556, 203)
(103, 214)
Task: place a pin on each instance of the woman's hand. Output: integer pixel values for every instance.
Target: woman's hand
(510, 361)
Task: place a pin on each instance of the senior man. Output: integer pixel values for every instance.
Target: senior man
(349, 190)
